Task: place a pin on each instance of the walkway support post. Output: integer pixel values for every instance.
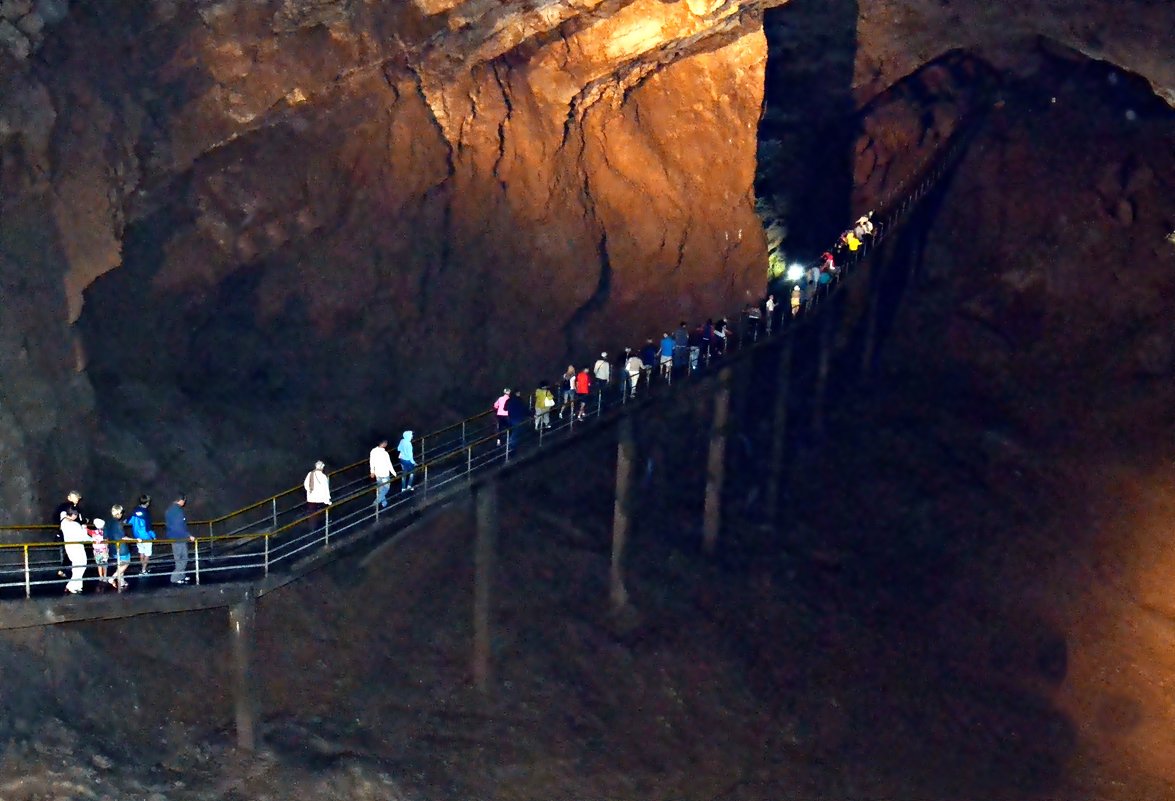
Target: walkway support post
(716, 463)
(241, 617)
(625, 459)
(824, 359)
(486, 500)
(778, 466)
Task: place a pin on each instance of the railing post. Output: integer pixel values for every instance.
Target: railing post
(266, 554)
(211, 541)
(716, 463)
(241, 617)
(273, 507)
(625, 459)
(468, 460)
(424, 470)
(196, 549)
(600, 403)
(463, 433)
(486, 502)
(28, 579)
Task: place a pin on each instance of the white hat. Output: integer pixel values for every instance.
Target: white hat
(319, 464)
(99, 523)
(604, 355)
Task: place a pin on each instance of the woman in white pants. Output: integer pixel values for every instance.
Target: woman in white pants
(75, 536)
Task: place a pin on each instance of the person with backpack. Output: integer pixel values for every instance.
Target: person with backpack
(633, 366)
(143, 533)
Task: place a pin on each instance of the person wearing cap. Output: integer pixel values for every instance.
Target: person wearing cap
(116, 533)
(407, 462)
(379, 462)
(75, 536)
(602, 372)
(177, 532)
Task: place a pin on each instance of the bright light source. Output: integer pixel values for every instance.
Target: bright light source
(795, 272)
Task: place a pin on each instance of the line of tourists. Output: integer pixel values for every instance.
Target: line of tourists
(677, 353)
(107, 543)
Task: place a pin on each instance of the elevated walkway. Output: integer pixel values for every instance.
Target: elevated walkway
(249, 552)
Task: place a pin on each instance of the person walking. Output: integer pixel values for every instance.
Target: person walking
(567, 392)
(633, 365)
(317, 486)
(668, 345)
(583, 388)
(602, 371)
(769, 309)
(516, 414)
(177, 531)
(544, 401)
(379, 462)
(75, 537)
(116, 533)
(143, 533)
(796, 298)
(681, 348)
(407, 463)
(501, 414)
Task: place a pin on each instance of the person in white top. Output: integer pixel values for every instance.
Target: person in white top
(317, 486)
(602, 371)
(75, 536)
(380, 462)
(770, 313)
(633, 365)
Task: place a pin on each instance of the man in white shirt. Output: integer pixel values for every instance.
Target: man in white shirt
(633, 365)
(603, 373)
(380, 462)
(317, 486)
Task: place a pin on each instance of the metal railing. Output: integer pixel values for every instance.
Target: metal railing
(249, 543)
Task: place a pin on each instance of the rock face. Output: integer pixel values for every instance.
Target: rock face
(282, 224)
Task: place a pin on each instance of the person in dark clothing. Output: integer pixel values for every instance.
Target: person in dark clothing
(72, 502)
(681, 348)
(517, 413)
(177, 532)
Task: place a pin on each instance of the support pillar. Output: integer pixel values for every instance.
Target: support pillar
(241, 617)
(777, 470)
(621, 515)
(486, 499)
(873, 301)
(824, 360)
(716, 464)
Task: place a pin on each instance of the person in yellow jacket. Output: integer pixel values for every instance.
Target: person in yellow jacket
(544, 401)
(795, 300)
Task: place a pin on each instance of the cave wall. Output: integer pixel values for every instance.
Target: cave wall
(281, 227)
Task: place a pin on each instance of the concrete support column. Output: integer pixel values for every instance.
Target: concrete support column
(625, 459)
(716, 464)
(777, 469)
(486, 499)
(824, 360)
(241, 617)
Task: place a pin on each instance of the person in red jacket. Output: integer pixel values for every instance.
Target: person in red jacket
(583, 388)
